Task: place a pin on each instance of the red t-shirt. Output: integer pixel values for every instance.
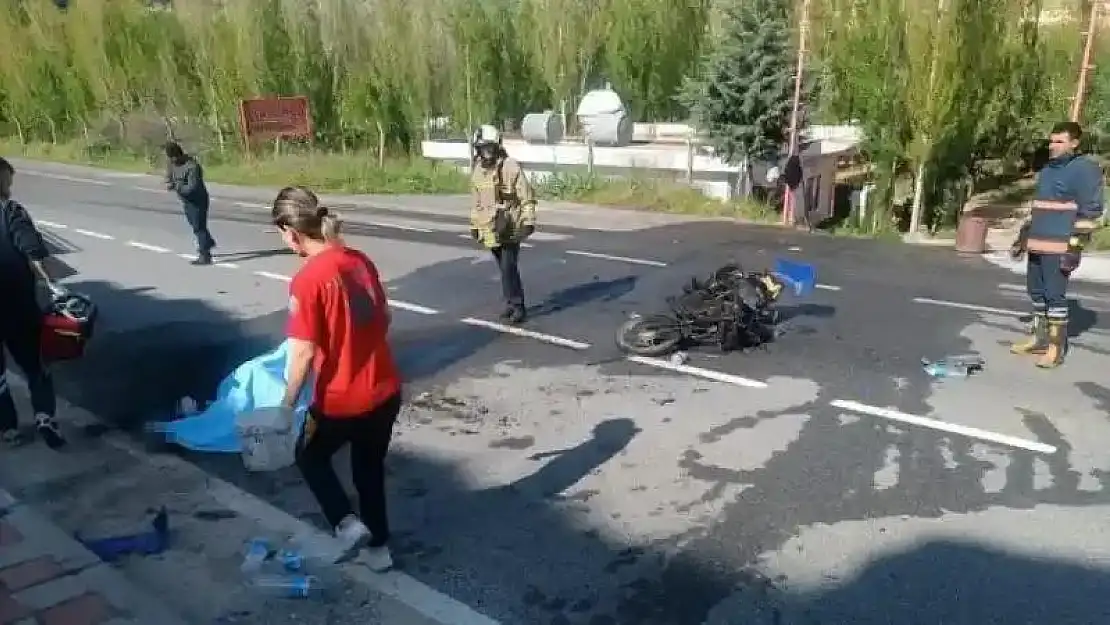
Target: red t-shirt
(338, 304)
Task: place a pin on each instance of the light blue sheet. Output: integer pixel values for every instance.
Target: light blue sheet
(257, 383)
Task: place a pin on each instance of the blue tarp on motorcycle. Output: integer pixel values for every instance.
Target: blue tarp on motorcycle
(801, 277)
(257, 383)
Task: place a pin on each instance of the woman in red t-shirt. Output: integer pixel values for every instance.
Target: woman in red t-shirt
(338, 321)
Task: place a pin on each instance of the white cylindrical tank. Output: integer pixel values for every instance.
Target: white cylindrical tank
(544, 128)
(604, 118)
(614, 130)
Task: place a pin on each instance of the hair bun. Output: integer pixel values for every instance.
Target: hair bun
(322, 211)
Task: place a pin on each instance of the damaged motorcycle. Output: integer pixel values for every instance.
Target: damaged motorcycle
(733, 309)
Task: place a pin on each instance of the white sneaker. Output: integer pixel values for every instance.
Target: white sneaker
(353, 536)
(51, 434)
(378, 559)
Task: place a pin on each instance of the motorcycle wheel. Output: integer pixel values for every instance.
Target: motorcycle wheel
(649, 336)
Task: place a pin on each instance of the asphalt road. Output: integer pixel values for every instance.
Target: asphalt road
(540, 477)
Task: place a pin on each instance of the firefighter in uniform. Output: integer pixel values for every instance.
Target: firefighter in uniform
(1065, 209)
(503, 214)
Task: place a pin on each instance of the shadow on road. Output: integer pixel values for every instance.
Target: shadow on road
(528, 554)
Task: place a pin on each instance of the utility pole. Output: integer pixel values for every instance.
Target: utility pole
(1085, 66)
(803, 35)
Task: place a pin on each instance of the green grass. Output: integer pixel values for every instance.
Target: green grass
(359, 173)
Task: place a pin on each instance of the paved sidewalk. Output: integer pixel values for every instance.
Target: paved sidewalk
(48, 578)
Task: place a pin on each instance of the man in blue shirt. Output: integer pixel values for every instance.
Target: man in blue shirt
(1066, 206)
(22, 257)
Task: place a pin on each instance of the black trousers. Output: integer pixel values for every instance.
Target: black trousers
(508, 258)
(20, 336)
(197, 216)
(1047, 286)
(368, 436)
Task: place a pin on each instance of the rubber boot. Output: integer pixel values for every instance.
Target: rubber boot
(1037, 342)
(1057, 345)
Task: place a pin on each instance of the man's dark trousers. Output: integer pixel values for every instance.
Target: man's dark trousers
(1048, 287)
(197, 216)
(512, 288)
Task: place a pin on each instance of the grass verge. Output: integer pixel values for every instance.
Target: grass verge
(359, 173)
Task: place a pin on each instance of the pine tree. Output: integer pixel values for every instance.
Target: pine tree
(743, 94)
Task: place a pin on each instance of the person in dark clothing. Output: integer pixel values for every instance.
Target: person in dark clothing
(185, 176)
(22, 256)
(1066, 206)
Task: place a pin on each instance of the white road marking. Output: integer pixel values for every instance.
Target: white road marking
(621, 259)
(1082, 297)
(539, 336)
(187, 256)
(944, 426)
(68, 178)
(148, 247)
(94, 234)
(224, 264)
(161, 191)
(975, 307)
(381, 224)
(416, 308)
(248, 205)
(50, 224)
(828, 287)
(273, 276)
(708, 374)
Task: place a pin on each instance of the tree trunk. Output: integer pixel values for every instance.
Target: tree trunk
(918, 198)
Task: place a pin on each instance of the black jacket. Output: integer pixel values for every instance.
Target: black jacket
(20, 243)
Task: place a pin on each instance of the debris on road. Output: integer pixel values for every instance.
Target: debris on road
(277, 572)
(953, 366)
(148, 543)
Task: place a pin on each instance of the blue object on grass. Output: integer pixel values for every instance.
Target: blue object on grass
(257, 383)
(801, 277)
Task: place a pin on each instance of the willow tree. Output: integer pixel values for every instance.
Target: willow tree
(651, 46)
(967, 93)
(743, 94)
(564, 39)
(863, 80)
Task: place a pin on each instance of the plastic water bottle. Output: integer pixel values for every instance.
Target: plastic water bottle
(945, 370)
(291, 560)
(291, 586)
(257, 552)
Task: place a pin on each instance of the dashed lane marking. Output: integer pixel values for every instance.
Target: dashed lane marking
(621, 259)
(828, 287)
(51, 224)
(273, 276)
(43, 174)
(94, 234)
(215, 263)
(944, 426)
(416, 308)
(381, 224)
(539, 336)
(148, 247)
(974, 307)
(708, 374)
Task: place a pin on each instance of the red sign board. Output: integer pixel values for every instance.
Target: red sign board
(262, 119)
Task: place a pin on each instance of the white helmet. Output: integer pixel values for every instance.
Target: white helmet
(486, 135)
